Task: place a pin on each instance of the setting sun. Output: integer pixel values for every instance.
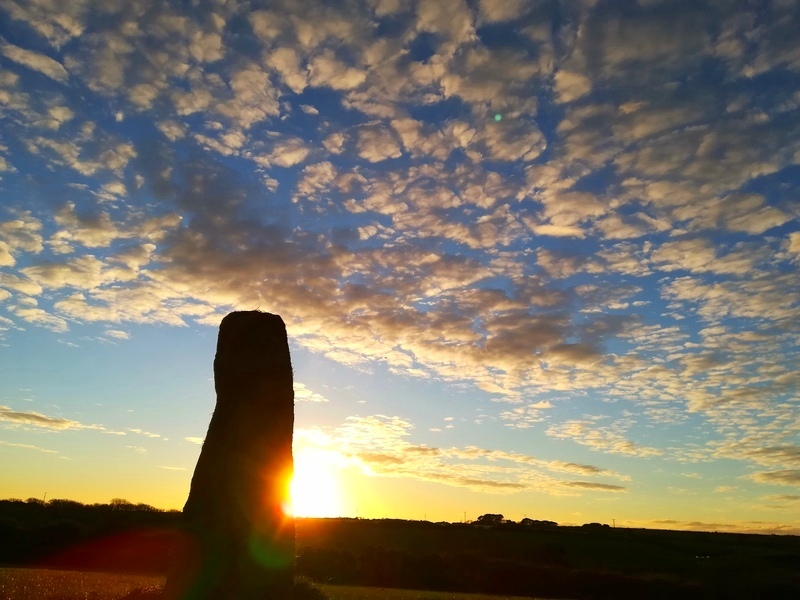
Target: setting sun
(315, 490)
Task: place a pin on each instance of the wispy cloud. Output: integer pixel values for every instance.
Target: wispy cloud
(378, 445)
(757, 527)
(33, 60)
(35, 419)
(598, 437)
(786, 477)
(28, 447)
(590, 485)
(143, 433)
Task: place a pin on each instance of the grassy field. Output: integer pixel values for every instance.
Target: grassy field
(365, 593)
(43, 584)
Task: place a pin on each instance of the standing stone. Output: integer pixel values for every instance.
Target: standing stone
(238, 542)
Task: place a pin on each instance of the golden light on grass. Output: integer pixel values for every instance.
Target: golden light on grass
(316, 489)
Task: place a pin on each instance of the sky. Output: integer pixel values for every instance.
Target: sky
(535, 258)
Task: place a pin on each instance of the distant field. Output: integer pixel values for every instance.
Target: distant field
(43, 584)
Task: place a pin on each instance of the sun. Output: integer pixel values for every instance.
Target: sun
(315, 490)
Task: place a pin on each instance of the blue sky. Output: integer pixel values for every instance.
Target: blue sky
(536, 258)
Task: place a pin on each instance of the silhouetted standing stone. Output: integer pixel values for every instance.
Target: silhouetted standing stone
(239, 543)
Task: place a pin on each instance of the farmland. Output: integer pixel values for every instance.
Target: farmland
(532, 559)
(45, 584)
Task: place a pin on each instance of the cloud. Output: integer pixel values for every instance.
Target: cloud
(794, 242)
(173, 130)
(692, 255)
(488, 484)
(316, 178)
(756, 298)
(325, 70)
(143, 433)
(589, 485)
(380, 459)
(565, 211)
(495, 81)
(556, 230)
(700, 255)
(265, 24)
(303, 394)
(380, 446)
(40, 317)
(600, 438)
(512, 141)
(36, 419)
(756, 527)
(5, 166)
(286, 61)
(105, 154)
(570, 86)
(286, 152)
(20, 284)
(562, 265)
(523, 417)
(35, 61)
(102, 60)
(93, 231)
(117, 334)
(789, 477)
(419, 139)
(376, 143)
(253, 98)
(22, 234)
(573, 354)
(454, 21)
(26, 446)
(616, 44)
(56, 24)
(773, 454)
(751, 214)
(334, 142)
(83, 272)
(787, 498)
(496, 11)
(227, 146)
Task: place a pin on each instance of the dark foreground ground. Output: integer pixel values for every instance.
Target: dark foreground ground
(536, 559)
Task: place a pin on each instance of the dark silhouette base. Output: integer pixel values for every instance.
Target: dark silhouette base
(237, 540)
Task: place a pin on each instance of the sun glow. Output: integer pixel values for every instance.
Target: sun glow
(315, 490)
